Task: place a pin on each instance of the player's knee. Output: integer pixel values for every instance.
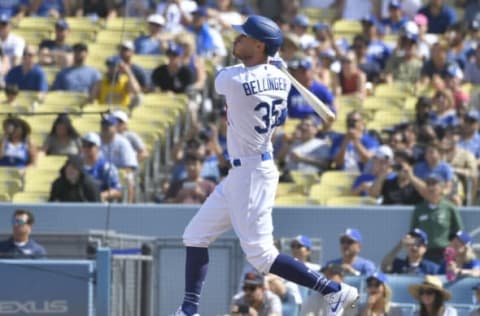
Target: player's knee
(262, 261)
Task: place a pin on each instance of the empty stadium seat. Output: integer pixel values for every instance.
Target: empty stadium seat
(320, 193)
(293, 199)
(350, 201)
(399, 284)
(461, 290)
(30, 197)
(407, 309)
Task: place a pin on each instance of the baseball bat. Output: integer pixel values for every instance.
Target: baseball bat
(318, 106)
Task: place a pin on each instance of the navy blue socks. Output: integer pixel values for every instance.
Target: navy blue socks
(293, 270)
(196, 266)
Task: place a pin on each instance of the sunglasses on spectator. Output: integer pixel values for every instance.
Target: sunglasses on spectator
(249, 288)
(426, 292)
(19, 222)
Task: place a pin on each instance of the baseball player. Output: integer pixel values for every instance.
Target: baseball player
(256, 96)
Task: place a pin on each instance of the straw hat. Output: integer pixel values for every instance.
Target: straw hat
(430, 282)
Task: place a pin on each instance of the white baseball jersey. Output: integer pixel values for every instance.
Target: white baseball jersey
(256, 103)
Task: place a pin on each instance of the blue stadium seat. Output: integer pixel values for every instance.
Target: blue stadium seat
(461, 290)
(463, 310)
(407, 309)
(359, 283)
(399, 284)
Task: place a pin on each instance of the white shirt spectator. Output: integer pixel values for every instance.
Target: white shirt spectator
(315, 148)
(120, 153)
(173, 15)
(13, 47)
(135, 140)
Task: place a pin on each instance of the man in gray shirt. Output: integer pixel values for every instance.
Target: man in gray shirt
(134, 139)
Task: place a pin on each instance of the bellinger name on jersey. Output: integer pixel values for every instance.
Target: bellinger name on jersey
(265, 84)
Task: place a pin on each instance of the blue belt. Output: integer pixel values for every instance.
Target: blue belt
(264, 156)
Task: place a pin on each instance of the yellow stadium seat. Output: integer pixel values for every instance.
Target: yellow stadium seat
(65, 98)
(33, 36)
(338, 178)
(320, 193)
(36, 23)
(372, 104)
(5, 197)
(114, 37)
(10, 186)
(294, 199)
(319, 14)
(304, 179)
(285, 188)
(49, 163)
(80, 36)
(389, 118)
(10, 173)
(149, 62)
(30, 197)
(126, 24)
(347, 27)
(38, 138)
(51, 72)
(401, 91)
(40, 123)
(350, 201)
(82, 24)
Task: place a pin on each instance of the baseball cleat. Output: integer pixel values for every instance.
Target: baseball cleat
(342, 300)
(179, 312)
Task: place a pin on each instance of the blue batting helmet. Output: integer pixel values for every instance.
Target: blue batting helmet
(264, 30)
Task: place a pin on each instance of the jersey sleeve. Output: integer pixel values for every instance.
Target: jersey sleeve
(220, 82)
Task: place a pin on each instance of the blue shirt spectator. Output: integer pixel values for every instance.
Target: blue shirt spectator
(150, 44)
(299, 108)
(438, 24)
(46, 7)
(105, 173)
(470, 138)
(362, 265)
(403, 266)
(379, 52)
(12, 7)
(209, 41)
(423, 170)
(394, 26)
(115, 147)
(33, 79)
(77, 78)
(352, 159)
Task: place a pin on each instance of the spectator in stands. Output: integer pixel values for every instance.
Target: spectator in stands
(74, 184)
(353, 9)
(396, 189)
(12, 45)
(379, 297)
(104, 172)
(177, 14)
(419, 26)
(433, 163)
(466, 263)
(440, 16)
(315, 305)
(174, 76)
(225, 15)
(437, 216)
(194, 189)
(350, 80)
(56, 51)
(396, 20)
(368, 65)
(300, 26)
(50, 8)
(415, 245)
(125, 52)
(119, 86)
(29, 75)
(472, 68)
(404, 64)
(435, 68)
(15, 9)
(476, 300)
(463, 163)
(96, 9)
(453, 80)
(456, 34)
(304, 151)
(63, 138)
(195, 63)
(352, 150)
(20, 245)
(137, 8)
(443, 113)
(351, 262)
(79, 77)
(423, 107)
(381, 166)
(255, 298)
(301, 248)
(377, 50)
(287, 295)
(301, 68)
(151, 44)
(17, 149)
(431, 297)
(469, 136)
(209, 41)
(134, 139)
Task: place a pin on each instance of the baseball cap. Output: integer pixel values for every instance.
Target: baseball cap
(112, 61)
(201, 11)
(92, 138)
(417, 232)
(62, 24)
(464, 237)
(353, 234)
(420, 19)
(4, 18)
(320, 26)
(254, 278)
(80, 47)
(156, 19)
(303, 240)
(301, 20)
(473, 115)
(379, 276)
(128, 45)
(120, 116)
(384, 152)
(394, 4)
(109, 119)
(174, 49)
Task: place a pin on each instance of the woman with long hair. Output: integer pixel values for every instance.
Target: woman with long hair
(17, 149)
(63, 138)
(432, 297)
(465, 262)
(379, 298)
